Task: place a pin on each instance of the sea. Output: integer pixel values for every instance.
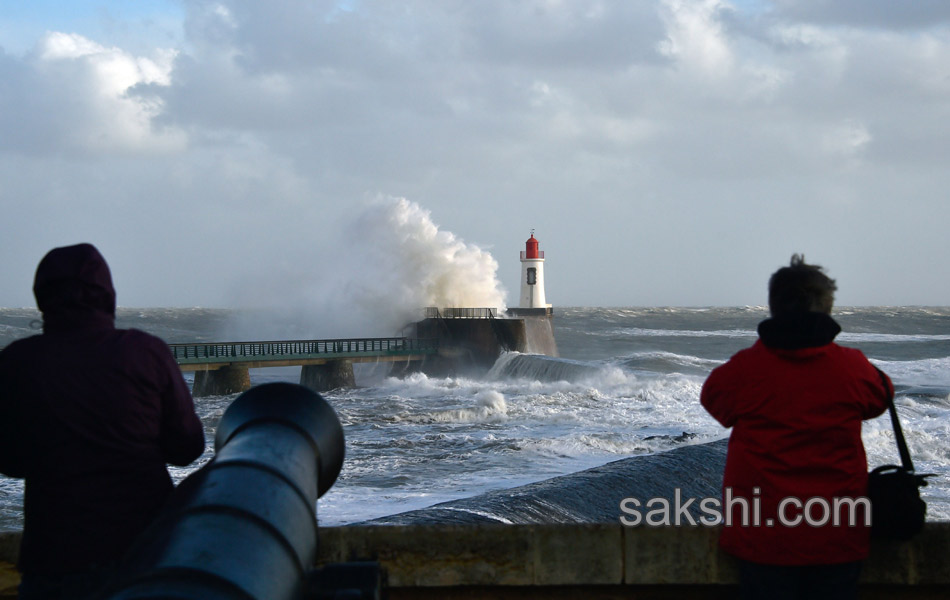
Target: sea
(626, 383)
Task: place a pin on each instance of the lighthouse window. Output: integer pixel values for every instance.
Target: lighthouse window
(532, 275)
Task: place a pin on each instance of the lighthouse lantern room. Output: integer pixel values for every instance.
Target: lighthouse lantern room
(532, 275)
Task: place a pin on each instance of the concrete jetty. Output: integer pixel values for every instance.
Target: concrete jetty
(470, 340)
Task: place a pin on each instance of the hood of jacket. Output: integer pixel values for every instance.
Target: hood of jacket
(73, 289)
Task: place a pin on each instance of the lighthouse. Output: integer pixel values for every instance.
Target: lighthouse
(532, 275)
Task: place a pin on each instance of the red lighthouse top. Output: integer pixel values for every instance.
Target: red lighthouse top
(531, 248)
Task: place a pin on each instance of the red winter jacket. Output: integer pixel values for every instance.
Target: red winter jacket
(795, 401)
(89, 416)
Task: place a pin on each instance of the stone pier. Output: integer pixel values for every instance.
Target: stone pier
(469, 345)
(329, 376)
(221, 381)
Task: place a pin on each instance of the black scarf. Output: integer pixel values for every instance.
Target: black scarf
(798, 330)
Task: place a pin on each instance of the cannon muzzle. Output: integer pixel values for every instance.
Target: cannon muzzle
(244, 526)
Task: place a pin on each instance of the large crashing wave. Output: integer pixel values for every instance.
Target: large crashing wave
(538, 367)
(591, 496)
(415, 264)
(375, 277)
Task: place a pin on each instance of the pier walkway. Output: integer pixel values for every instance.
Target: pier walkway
(222, 367)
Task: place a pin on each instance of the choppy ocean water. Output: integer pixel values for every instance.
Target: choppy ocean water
(627, 383)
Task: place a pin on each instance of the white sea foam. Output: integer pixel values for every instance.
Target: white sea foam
(668, 359)
(921, 372)
(857, 338)
(489, 407)
(640, 332)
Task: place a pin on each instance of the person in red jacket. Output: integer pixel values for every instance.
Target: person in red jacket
(89, 417)
(795, 481)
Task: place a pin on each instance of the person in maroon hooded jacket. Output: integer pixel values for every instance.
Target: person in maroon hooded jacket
(89, 416)
(796, 471)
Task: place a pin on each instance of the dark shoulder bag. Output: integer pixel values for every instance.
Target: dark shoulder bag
(897, 511)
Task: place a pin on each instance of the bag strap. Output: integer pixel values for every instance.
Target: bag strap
(896, 422)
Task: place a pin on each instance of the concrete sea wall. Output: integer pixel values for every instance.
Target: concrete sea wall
(599, 561)
(472, 345)
(539, 329)
(468, 345)
(580, 561)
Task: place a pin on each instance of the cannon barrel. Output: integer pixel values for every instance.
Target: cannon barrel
(244, 526)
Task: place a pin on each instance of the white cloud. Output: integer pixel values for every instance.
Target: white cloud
(85, 98)
(847, 139)
(696, 133)
(695, 38)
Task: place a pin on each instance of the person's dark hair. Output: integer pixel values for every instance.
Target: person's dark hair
(799, 288)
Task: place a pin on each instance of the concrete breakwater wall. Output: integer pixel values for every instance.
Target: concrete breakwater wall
(580, 561)
(472, 345)
(600, 561)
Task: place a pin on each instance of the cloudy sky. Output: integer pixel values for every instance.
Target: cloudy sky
(665, 152)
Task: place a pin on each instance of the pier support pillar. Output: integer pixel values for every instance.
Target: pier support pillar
(329, 376)
(221, 382)
(403, 369)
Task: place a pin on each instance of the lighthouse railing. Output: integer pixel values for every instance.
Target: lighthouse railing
(524, 254)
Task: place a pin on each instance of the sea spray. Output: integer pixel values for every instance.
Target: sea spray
(419, 265)
(384, 267)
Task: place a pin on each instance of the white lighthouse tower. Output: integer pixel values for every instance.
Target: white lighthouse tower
(532, 275)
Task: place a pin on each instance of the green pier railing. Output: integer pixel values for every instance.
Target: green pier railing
(236, 352)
